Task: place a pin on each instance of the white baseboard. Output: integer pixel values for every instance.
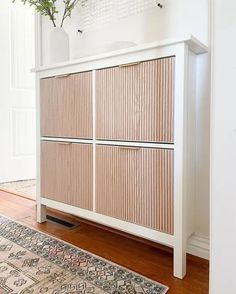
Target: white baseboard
(198, 246)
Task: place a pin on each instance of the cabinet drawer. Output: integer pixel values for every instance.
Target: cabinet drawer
(135, 103)
(66, 173)
(66, 106)
(136, 185)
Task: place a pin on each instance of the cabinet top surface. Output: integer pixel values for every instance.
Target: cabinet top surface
(194, 45)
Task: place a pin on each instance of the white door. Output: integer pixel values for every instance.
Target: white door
(17, 95)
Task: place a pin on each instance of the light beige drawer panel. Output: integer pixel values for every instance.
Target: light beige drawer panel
(136, 185)
(66, 106)
(66, 173)
(135, 103)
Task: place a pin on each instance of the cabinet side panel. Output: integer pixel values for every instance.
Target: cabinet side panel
(190, 144)
(136, 185)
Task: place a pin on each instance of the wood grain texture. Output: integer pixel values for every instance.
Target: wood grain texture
(135, 103)
(66, 106)
(136, 185)
(138, 255)
(66, 173)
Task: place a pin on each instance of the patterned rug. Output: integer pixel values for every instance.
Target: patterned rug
(33, 262)
(25, 188)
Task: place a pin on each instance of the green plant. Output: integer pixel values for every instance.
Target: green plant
(48, 8)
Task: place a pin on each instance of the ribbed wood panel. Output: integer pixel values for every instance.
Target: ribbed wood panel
(135, 103)
(66, 173)
(66, 106)
(136, 185)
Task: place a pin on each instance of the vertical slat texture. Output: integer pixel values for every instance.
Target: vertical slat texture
(135, 103)
(66, 173)
(136, 185)
(66, 106)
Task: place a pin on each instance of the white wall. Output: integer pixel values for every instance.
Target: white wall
(223, 149)
(178, 18)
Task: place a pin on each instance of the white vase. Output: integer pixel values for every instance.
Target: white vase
(58, 45)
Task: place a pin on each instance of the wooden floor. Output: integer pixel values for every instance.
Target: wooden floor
(152, 262)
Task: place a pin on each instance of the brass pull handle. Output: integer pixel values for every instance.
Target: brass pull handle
(129, 148)
(62, 76)
(129, 64)
(64, 143)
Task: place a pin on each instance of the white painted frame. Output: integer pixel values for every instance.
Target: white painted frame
(145, 52)
(180, 234)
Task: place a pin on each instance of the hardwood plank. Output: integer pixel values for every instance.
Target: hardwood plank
(151, 261)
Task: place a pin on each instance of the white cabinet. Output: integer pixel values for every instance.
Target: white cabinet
(116, 140)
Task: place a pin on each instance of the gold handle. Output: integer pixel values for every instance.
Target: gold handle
(130, 64)
(62, 76)
(129, 148)
(64, 143)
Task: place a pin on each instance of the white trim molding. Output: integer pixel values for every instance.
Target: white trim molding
(38, 39)
(199, 246)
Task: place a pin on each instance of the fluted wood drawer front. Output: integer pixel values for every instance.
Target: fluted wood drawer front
(66, 106)
(66, 173)
(136, 185)
(135, 103)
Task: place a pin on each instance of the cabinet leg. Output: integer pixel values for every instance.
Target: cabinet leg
(179, 262)
(41, 213)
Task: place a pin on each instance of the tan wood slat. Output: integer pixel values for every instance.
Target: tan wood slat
(66, 106)
(66, 173)
(135, 103)
(136, 185)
